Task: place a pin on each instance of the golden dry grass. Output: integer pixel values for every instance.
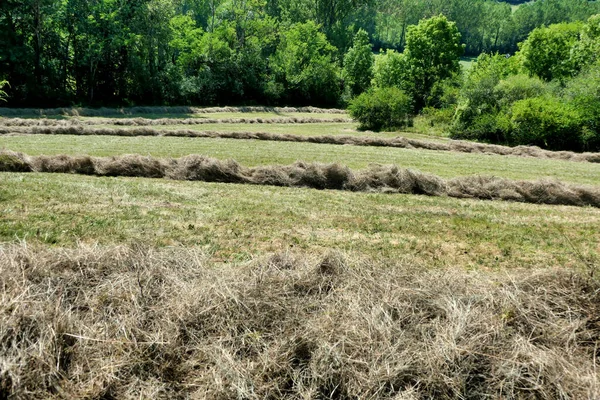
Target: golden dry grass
(130, 323)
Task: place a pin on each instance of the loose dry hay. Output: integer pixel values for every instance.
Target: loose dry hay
(99, 112)
(376, 178)
(134, 323)
(74, 127)
(78, 124)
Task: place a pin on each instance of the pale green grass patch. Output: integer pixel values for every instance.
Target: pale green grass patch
(236, 222)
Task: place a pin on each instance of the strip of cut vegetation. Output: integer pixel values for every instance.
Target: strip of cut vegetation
(100, 112)
(69, 128)
(377, 178)
(95, 322)
(18, 122)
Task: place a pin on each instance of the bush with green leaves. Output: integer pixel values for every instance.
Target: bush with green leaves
(381, 109)
(477, 95)
(390, 69)
(547, 122)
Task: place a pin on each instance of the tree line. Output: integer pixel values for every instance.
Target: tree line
(206, 52)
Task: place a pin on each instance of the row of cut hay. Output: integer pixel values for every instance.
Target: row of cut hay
(68, 128)
(131, 323)
(44, 122)
(377, 178)
(99, 112)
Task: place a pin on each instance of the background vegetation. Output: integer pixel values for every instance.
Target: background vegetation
(204, 52)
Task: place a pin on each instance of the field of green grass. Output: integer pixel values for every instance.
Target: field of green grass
(129, 287)
(238, 222)
(255, 152)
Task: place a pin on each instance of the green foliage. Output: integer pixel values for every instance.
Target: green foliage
(546, 122)
(583, 93)
(304, 64)
(381, 109)
(433, 51)
(478, 96)
(587, 50)
(518, 87)
(547, 52)
(390, 69)
(358, 64)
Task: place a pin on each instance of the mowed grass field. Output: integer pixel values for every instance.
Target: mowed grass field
(237, 222)
(255, 152)
(129, 288)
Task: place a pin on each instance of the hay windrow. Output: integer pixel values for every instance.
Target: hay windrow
(376, 178)
(99, 112)
(137, 322)
(77, 123)
(75, 128)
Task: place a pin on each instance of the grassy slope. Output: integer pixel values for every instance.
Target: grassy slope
(253, 152)
(239, 221)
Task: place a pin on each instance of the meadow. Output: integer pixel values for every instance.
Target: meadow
(137, 287)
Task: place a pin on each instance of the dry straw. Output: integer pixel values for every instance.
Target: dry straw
(131, 323)
(376, 178)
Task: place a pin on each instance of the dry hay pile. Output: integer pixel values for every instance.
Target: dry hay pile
(132, 323)
(376, 178)
(76, 127)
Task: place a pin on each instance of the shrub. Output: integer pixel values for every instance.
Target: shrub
(518, 87)
(547, 122)
(489, 127)
(381, 109)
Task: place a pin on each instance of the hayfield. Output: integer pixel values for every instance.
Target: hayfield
(310, 270)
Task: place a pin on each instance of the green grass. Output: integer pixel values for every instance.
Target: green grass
(255, 152)
(467, 62)
(236, 222)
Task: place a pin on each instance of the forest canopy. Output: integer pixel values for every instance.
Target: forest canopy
(205, 52)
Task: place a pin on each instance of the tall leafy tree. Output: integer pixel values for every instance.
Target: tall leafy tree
(305, 65)
(547, 52)
(433, 51)
(358, 64)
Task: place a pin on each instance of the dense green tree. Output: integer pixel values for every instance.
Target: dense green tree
(304, 64)
(587, 49)
(358, 64)
(433, 50)
(390, 69)
(547, 52)
(380, 109)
